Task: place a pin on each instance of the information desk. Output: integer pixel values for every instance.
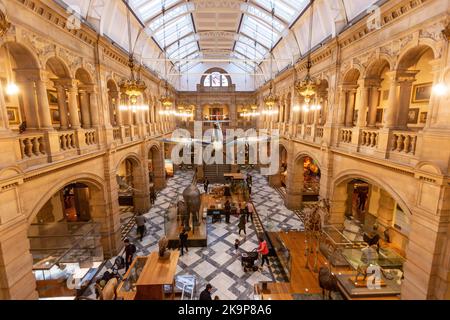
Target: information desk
(148, 276)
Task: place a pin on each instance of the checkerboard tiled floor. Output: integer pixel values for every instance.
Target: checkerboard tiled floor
(218, 263)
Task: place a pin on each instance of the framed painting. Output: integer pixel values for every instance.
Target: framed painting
(423, 117)
(413, 115)
(52, 97)
(54, 113)
(380, 113)
(13, 115)
(422, 92)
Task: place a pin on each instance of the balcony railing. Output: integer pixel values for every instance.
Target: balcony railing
(116, 133)
(404, 142)
(32, 146)
(345, 135)
(90, 137)
(369, 138)
(67, 140)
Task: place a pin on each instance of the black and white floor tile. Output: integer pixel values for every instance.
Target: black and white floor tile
(218, 263)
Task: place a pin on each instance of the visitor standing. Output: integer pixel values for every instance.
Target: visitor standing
(264, 251)
(206, 294)
(236, 245)
(183, 241)
(140, 223)
(227, 211)
(152, 196)
(249, 211)
(249, 184)
(362, 200)
(130, 250)
(242, 222)
(206, 185)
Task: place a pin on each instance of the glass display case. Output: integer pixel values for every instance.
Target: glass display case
(282, 252)
(127, 288)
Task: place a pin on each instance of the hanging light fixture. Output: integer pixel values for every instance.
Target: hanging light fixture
(133, 87)
(308, 87)
(166, 99)
(271, 100)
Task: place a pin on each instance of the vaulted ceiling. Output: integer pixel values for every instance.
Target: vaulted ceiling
(189, 33)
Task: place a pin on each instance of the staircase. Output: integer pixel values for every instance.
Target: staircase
(215, 172)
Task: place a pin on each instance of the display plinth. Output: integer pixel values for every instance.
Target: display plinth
(347, 286)
(363, 283)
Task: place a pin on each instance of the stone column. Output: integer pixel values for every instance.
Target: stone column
(364, 107)
(350, 108)
(405, 100)
(294, 185)
(29, 104)
(119, 120)
(45, 120)
(374, 97)
(339, 204)
(73, 107)
(342, 107)
(386, 209)
(17, 281)
(64, 120)
(84, 106)
(4, 123)
(94, 108)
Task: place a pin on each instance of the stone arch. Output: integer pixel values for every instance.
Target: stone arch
(58, 67)
(91, 180)
(23, 55)
(375, 68)
(412, 53)
(339, 192)
(215, 69)
(83, 76)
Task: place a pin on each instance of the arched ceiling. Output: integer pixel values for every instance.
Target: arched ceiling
(240, 32)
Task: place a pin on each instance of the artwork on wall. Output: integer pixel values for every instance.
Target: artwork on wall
(52, 97)
(413, 115)
(422, 92)
(13, 115)
(380, 113)
(423, 117)
(54, 113)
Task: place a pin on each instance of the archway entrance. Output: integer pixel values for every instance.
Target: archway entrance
(65, 240)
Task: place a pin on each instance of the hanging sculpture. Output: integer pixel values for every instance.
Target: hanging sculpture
(192, 200)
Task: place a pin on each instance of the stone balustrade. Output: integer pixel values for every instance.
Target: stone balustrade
(369, 138)
(345, 135)
(67, 140)
(127, 132)
(116, 133)
(404, 142)
(319, 132)
(308, 131)
(32, 146)
(90, 137)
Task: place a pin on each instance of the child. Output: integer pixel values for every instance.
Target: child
(236, 245)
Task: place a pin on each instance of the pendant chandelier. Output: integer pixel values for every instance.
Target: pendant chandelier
(166, 99)
(309, 86)
(271, 100)
(133, 87)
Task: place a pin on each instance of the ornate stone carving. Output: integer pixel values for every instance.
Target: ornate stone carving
(434, 32)
(5, 25)
(42, 47)
(446, 32)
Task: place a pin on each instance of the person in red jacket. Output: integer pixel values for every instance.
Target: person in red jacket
(264, 251)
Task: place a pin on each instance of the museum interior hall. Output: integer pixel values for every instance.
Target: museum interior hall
(224, 150)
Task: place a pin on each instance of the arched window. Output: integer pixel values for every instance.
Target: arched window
(216, 79)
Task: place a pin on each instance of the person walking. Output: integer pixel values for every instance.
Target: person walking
(249, 211)
(183, 241)
(242, 222)
(236, 245)
(362, 196)
(227, 211)
(140, 223)
(249, 184)
(206, 185)
(130, 250)
(206, 294)
(264, 251)
(152, 196)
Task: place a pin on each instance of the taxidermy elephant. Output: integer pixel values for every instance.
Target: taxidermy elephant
(192, 200)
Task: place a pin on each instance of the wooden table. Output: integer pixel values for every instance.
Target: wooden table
(234, 176)
(155, 274)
